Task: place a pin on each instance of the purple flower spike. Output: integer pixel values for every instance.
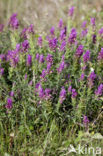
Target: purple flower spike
(99, 91)
(79, 51)
(82, 76)
(13, 57)
(14, 23)
(100, 55)
(49, 66)
(63, 45)
(72, 36)
(60, 23)
(71, 11)
(62, 95)
(1, 71)
(25, 45)
(52, 30)
(29, 60)
(49, 58)
(9, 103)
(31, 29)
(2, 57)
(24, 33)
(25, 77)
(86, 56)
(62, 35)
(94, 38)
(41, 92)
(40, 40)
(61, 67)
(93, 21)
(101, 31)
(85, 121)
(84, 32)
(11, 93)
(1, 27)
(91, 79)
(84, 24)
(92, 76)
(47, 93)
(74, 93)
(70, 89)
(53, 43)
(37, 56)
(41, 58)
(43, 73)
(30, 83)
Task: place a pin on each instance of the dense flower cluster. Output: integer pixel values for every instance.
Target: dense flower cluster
(58, 68)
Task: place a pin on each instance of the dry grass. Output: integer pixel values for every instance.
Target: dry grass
(44, 13)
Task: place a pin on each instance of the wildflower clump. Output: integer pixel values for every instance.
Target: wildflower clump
(50, 84)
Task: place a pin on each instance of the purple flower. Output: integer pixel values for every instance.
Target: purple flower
(14, 23)
(31, 28)
(84, 32)
(47, 93)
(79, 51)
(52, 30)
(72, 36)
(13, 57)
(86, 56)
(93, 21)
(101, 31)
(49, 58)
(63, 45)
(70, 89)
(94, 38)
(85, 120)
(74, 93)
(40, 41)
(62, 95)
(91, 79)
(49, 64)
(63, 33)
(37, 85)
(41, 58)
(1, 71)
(41, 92)
(84, 67)
(60, 23)
(2, 57)
(43, 73)
(99, 91)
(53, 43)
(84, 24)
(71, 11)
(100, 55)
(23, 33)
(25, 45)
(61, 66)
(18, 47)
(1, 27)
(37, 56)
(82, 76)
(9, 103)
(92, 76)
(29, 60)
(11, 93)
(25, 77)
(30, 83)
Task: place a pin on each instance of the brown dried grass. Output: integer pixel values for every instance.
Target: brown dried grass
(44, 13)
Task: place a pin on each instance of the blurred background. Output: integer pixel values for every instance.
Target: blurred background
(46, 13)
